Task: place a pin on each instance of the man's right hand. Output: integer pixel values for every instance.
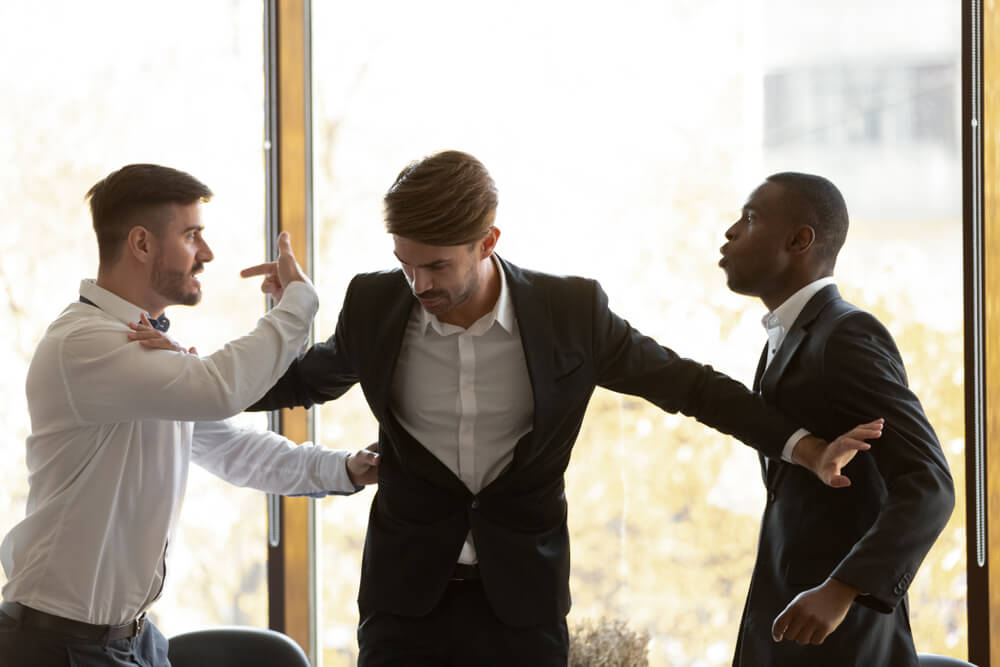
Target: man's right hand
(278, 274)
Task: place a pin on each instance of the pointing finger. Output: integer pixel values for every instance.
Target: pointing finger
(259, 269)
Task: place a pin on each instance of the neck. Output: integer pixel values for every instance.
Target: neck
(132, 287)
(482, 301)
(773, 299)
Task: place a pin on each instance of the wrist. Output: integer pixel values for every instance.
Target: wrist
(842, 590)
(807, 452)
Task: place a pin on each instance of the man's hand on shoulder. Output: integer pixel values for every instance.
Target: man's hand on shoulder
(826, 460)
(362, 465)
(154, 339)
(815, 613)
(278, 274)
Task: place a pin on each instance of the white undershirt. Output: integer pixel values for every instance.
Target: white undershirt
(465, 394)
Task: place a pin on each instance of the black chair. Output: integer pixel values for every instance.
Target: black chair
(235, 647)
(928, 660)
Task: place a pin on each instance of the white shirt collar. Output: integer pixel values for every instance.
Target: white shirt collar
(502, 314)
(784, 316)
(111, 303)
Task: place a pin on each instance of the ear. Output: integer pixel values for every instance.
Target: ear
(489, 243)
(140, 244)
(802, 240)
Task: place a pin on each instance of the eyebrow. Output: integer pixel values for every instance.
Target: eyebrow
(428, 265)
(194, 228)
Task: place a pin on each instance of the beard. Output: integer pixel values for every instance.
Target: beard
(169, 283)
(451, 299)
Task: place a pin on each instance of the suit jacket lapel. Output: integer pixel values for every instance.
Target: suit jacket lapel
(534, 322)
(793, 340)
(761, 365)
(388, 342)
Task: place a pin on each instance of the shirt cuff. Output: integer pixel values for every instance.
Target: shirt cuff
(300, 298)
(786, 453)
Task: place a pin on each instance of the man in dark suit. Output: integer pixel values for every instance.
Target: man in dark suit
(479, 373)
(833, 565)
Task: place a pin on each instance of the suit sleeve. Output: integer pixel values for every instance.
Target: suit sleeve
(325, 372)
(866, 380)
(629, 362)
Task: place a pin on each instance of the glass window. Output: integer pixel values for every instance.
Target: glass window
(85, 92)
(624, 141)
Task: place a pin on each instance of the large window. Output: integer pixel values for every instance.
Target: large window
(87, 90)
(624, 140)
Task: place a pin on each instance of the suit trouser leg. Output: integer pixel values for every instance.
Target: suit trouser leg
(461, 631)
(24, 647)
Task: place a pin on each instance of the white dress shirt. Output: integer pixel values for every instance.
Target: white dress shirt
(465, 394)
(777, 323)
(113, 428)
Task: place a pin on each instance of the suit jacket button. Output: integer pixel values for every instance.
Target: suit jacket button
(770, 497)
(475, 503)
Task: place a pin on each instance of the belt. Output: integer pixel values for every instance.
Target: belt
(33, 619)
(464, 572)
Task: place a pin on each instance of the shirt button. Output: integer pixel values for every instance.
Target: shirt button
(475, 503)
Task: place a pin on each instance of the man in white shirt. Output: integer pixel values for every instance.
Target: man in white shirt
(829, 585)
(114, 428)
(479, 373)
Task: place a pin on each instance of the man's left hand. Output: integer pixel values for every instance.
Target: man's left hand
(826, 460)
(815, 613)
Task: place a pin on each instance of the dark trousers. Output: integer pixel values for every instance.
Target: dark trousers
(25, 647)
(461, 631)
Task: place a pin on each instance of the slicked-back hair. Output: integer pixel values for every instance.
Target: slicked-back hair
(138, 194)
(822, 205)
(445, 199)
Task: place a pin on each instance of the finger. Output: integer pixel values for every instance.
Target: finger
(144, 333)
(145, 320)
(372, 447)
(368, 457)
(193, 350)
(285, 244)
(797, 624)
(847, 443)
(157, 344)
(839, 482)
(779, 626)
(139, 326)
(266, 268)
(864, 433)
(819, 634)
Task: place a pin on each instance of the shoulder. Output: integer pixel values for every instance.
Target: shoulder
(377, 285)
(551, 284)
(856, 341)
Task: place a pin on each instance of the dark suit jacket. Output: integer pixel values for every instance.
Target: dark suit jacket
(422, 512)
(839, 367)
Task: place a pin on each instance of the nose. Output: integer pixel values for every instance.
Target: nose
(205, 253)
(421, 281)
(731, 232)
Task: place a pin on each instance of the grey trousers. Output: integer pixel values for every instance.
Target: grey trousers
(25, 647)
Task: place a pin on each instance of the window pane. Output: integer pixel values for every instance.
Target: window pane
(86, 92)
(624, 142)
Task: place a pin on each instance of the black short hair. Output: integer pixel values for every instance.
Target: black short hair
(137, 194)
(823, 205)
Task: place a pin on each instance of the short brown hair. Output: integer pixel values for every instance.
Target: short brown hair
(445, 199)
(135, 195)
